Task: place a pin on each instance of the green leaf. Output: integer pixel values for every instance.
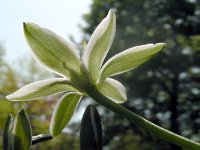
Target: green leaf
(99, 44)
(63, 112)
(91, 130)
(114, 90)
(130, 59)
(7, 133)
(51, 50)
(41, 88)
(22, 133)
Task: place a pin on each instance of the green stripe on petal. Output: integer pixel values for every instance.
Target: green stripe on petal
(51, 50)
(99, 44)
(63, 112)
(114, 90)
(130, 59)
(41, 88)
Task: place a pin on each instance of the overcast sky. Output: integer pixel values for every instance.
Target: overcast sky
(60, 16)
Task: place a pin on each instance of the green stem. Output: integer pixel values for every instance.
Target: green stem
(143, 123)
(41, 138)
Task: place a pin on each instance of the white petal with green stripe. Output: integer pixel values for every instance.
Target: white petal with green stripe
(41, 88)
(114, 90)
(130, 59)
(63, 112)
(51, 50)
(99, 44)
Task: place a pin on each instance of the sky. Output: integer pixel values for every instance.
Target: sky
(60, 16)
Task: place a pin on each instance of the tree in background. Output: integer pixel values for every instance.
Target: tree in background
(166, 89)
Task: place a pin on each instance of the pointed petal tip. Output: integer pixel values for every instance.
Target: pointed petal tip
(25, 24)
(111, 12)
(9, 97)
(161, 45)
(111, 15)
(28, 23)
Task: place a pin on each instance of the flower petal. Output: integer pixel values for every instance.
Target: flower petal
(114, 90)
(51, 50)
(129, 59)
(41, 88)
(99, 44)
(63, 112)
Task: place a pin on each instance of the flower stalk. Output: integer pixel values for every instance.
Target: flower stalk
(41, 138)
(142, 122)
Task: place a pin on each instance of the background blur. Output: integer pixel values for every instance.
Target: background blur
(165, 90)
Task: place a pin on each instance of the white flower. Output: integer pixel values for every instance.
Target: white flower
(79, 73)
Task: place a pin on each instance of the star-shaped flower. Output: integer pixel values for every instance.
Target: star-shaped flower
(79, 73)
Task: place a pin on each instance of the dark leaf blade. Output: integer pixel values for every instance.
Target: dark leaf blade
(7, 133)
(22, 132)
(91, 130)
